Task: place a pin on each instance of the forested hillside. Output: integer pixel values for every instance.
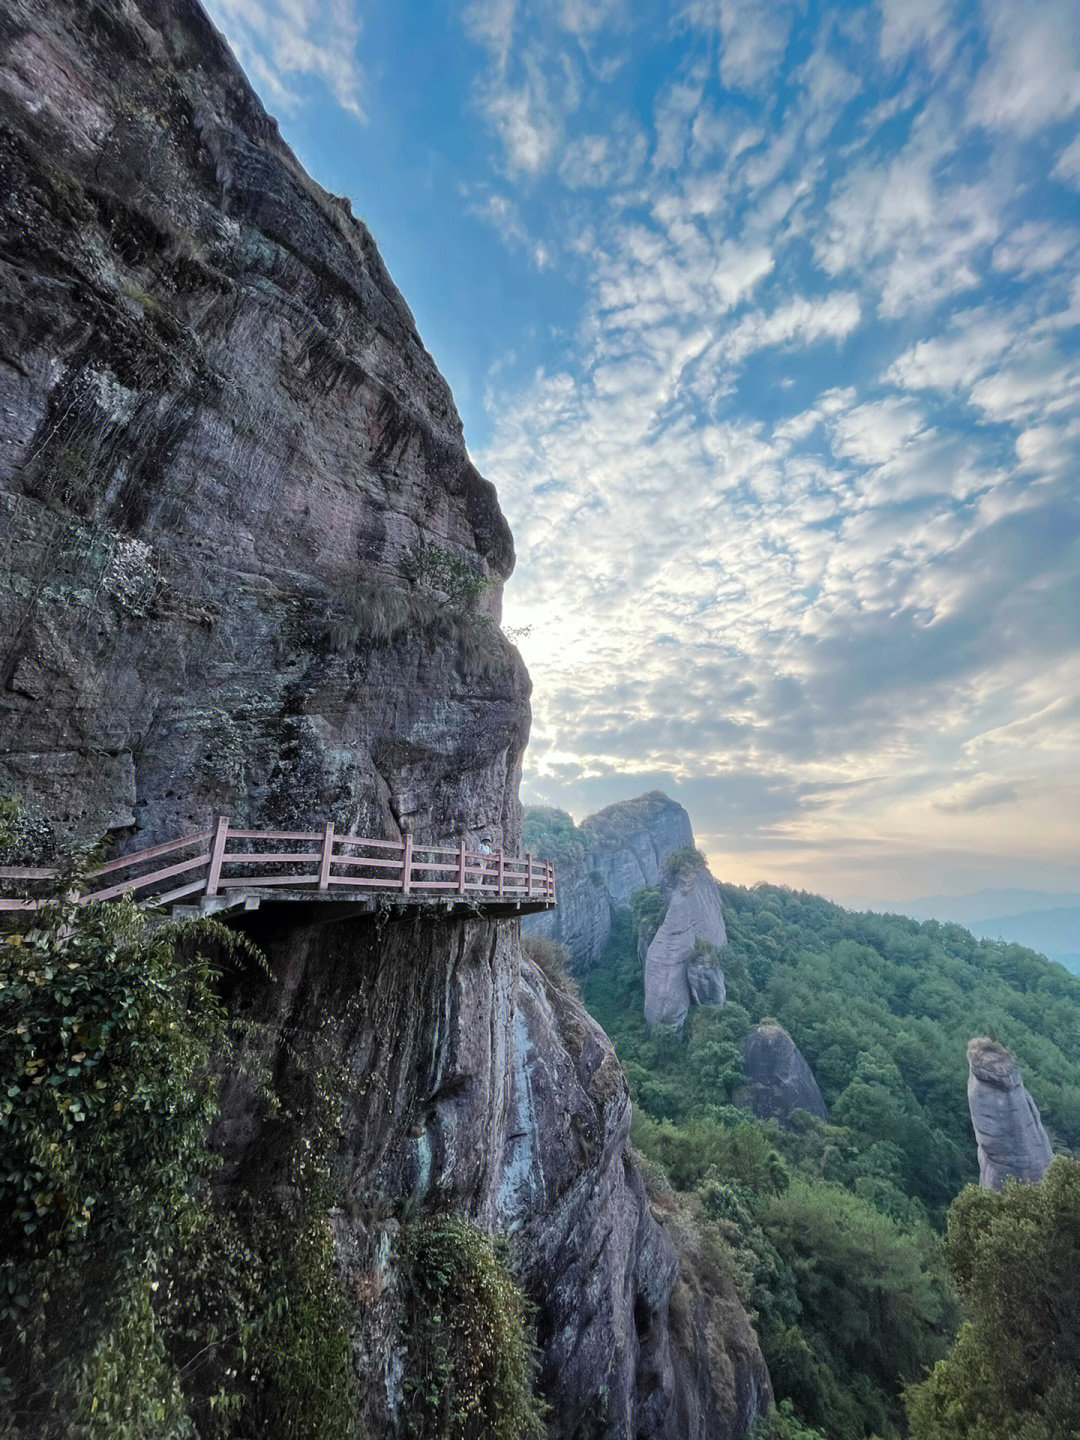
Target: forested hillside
(835, 1226)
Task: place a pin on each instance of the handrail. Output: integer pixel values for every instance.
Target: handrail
(404, 868)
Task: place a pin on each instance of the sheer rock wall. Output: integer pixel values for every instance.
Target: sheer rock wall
(231, 477)
(246, 567)
(475, 1082)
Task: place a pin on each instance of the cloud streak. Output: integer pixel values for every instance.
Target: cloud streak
(796, 510)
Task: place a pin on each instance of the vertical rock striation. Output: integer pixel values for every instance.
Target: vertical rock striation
(1008, 1128)
(682, 966)
(476, 1083)
(615, 852)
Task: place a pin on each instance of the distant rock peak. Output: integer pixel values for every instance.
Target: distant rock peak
(1009, 1132)
(682, 962)
(600, 864)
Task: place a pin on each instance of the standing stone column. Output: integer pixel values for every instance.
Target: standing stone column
(1008, 1128)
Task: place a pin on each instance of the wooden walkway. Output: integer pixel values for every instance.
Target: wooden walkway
(224, 869)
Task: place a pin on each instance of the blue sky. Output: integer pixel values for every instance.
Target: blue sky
(763, 319)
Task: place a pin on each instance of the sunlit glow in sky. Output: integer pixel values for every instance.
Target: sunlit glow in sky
(763, 319)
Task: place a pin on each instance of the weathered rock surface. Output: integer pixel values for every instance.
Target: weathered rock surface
(1008, 1128)
(582, 920)
(778, 1079)
(619, 850)
(475, 1082)
(723, 1385)
(681, 965)
(629, 842)
(247, 567)
(238, 524)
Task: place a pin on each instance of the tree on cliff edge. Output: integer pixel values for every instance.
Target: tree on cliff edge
(1014, 1370)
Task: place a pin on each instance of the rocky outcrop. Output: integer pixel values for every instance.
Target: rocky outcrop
(582, 920)
(600, 865)
(629, 842)
(723, 1386)
(473, 1081)
(246, 565)
(1008, 1128)
(778, 1079)
(682, 966)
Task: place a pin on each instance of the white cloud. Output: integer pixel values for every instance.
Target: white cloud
(279, 41)
(1068, 164)
(818, 596)
(920, 239)
(526, 118)
(926, 25)
(1033, 78)
(504, 216)
(754, 36)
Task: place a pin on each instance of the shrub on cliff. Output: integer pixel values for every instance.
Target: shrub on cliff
(471, 1351)
(133, 1307)
(551, 834)
(1015, 1368)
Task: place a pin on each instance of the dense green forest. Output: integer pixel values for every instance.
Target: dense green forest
(835, 1227)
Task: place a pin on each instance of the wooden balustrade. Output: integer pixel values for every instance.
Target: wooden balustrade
(318, 860)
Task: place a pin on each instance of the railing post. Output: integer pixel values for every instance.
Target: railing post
(528, 887)
(327, 855)
(500, 871)
(406, 867)
(217, 854)
(461, 867)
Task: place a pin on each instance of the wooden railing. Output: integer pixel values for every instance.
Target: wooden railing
(313, 860)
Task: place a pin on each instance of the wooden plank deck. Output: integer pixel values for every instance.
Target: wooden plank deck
(364, 871)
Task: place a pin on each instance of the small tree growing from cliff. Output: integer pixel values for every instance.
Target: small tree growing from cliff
(1015, 1367)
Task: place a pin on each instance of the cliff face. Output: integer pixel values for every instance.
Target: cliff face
(1008, 1128)
(631, 840)
(474, 1082)
(620, 849)
(248, 568)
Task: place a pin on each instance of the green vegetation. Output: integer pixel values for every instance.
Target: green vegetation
(367, 616)
(553, 960)
(131, 1303)
(26, 838)
(471, 1351)
(835, 1227)
(552, 834)
(1015, 1368)
(139, 1301)
(445, 572)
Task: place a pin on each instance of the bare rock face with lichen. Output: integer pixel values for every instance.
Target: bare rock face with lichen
(246, 567)
(1008, 1127)
(620, 849)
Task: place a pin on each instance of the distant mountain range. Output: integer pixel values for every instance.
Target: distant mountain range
(1040, 919)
